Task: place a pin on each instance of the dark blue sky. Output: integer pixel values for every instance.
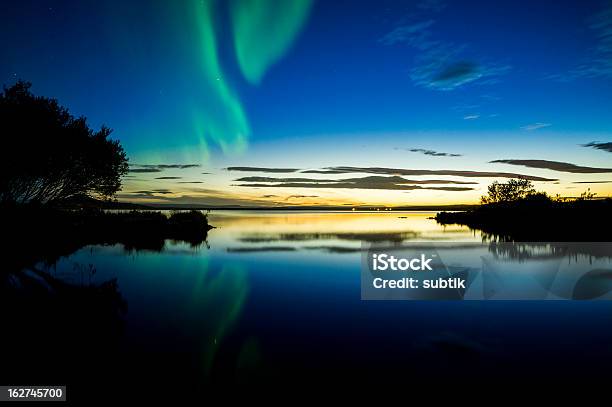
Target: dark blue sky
(476, 78)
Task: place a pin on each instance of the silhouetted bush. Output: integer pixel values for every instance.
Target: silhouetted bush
(43, 234)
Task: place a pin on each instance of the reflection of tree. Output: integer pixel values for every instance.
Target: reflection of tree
(543, 251)
(53, 327)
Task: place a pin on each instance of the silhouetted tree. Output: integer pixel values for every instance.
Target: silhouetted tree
(48, 155)
(511, 191)
(586, 195)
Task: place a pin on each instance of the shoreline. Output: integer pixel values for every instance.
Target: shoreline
(575, 221)
(55, 233)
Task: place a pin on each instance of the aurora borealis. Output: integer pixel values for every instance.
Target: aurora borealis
(329, 102)
(225, 122)
(262, 33)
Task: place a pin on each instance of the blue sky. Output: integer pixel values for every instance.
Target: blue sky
(353, 83)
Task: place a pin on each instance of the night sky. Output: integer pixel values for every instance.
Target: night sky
(277, 102)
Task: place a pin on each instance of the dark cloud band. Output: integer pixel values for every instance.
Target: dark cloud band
(151, 168)
(373, 182)
(433, 153)
(555, 166)
(262, 169)
(300, 196)
(166, 166)
(395, 179)
(599, 146)
(153, 192)
(411, 172)
(144, 170)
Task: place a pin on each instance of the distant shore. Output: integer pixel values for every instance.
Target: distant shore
(345, 208)
(577, 221)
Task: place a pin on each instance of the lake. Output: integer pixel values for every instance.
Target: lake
(277, 294)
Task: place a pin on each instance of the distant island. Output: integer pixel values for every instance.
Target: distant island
(514, 211)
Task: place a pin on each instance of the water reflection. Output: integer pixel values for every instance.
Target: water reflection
(276, 295)
(593, 284)
(60, 323)
(573, 251)
(496, 270)
(331, 232)
(380, 236)
(221, 296)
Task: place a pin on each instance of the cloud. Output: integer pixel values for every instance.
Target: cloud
(600, 146)
(300, 196)
(471, 117)
(190, 182)
(592, 182)
(402, 171)
(168, 177)
(193, 200)
(371, 182)
(153, 192)
(555, 166)
(137, 197)
(269, 196)
(207, 191)
(180, 166)
(396, 179)
(490, 98)
(165, 166)
(438, 64)
(441, 69)
(535, 126)
(598, 61)
(151, 168)
(431, 5)
(194, 197)
(455, 74)
(414, 34)
(270, 179)
(464, 107)
(262, 169)
(325, 171)
(143, 170)
(433, 152)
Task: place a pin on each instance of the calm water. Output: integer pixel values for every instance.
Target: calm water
(279, 292)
